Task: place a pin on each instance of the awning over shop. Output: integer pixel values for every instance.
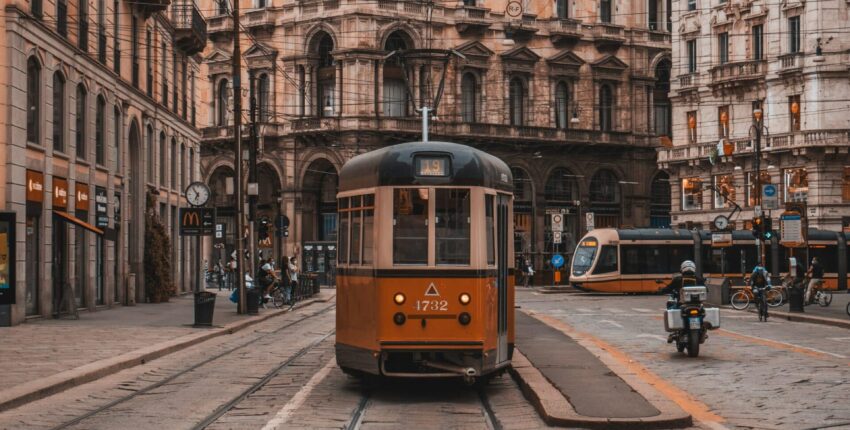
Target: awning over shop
(65, 216)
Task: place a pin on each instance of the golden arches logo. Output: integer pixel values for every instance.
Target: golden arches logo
(191, 218)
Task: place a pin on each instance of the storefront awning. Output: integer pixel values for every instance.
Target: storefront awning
(65, 216)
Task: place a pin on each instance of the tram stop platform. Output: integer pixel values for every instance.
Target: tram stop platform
(571, 386)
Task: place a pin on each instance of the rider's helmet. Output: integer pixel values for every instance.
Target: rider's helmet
(688, 266)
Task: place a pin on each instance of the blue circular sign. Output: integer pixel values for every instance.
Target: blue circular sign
(557, 261)
(770, 190)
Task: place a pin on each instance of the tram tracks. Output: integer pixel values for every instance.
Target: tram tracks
(228, 351)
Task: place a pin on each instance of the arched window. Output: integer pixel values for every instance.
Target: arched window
(517, 102)
(469, 98)
(604, 187)
(562, 99)
(523, 190)
(116, 136)
(182, 184)
(263, 97)
(33, 100)
(561, 186)
(221, 103)
(150, 153)
(606, 108)
(326, 76)
(396, 98)
(58, 112)
(661, 103)
(81, 121)
(163, 163)
(100, 132)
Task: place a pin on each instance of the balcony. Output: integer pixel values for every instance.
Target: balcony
(608, 36)
(564, 30)
(220, 26)
(739, 73)
(190, 27)
(688, 82)
(472, 19)
(522, 28)
(259, 19)
(791, 63)
(149, 7)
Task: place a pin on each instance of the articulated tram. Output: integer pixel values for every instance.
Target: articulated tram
(424, 273)
(643, 260)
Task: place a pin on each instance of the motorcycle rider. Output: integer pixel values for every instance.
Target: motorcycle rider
(760, 284)
(687, 277)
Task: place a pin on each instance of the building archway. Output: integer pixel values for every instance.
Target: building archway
(561, 194)
(605, 198)
(319, 219)
(659, 201)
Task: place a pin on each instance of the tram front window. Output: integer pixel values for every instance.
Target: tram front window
(410, 226)
(452, 226)
(583, 258)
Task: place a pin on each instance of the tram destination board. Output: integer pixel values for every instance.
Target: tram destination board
(197, 221)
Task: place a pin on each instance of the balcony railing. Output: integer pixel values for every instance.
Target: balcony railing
(259, 18)
(221, 24)
(790, 62)
(472, 18)
(738, 71)
(148, 7)
(190, 27)
(609, 34)
(688, 81)
(563, 30)
(773, 143)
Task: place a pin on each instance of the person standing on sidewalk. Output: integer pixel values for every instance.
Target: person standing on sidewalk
(816, 278)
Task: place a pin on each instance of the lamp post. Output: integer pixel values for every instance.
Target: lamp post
(757, 127)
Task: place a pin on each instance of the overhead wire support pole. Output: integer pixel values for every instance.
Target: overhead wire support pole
(252, 175)
(237, 135)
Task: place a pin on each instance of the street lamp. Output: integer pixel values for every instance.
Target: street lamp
(757, 126)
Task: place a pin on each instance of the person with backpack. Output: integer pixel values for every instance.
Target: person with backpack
(687, 277)
(760, 284)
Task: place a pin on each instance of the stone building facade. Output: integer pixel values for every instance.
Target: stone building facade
(788, 60)
(98, 110)
(571, 93)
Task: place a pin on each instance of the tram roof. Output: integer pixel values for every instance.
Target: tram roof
(394, 166)
(654, 234)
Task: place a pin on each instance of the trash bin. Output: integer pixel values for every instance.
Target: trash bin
(204, 307)
(252, 296)
(795, 299)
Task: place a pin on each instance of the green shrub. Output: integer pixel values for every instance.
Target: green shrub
(158, 283)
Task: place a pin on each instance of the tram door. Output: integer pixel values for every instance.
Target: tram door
(502, 243)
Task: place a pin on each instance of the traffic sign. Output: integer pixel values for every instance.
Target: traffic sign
(556, 237)
(557, 223)
(769, 196)
(557, 261)
(590, 219)
(197, 221)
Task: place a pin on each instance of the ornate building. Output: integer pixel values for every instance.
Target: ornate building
(571, 93)
(98, 111)
(787, 60)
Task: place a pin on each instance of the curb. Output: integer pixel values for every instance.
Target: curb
(802, 317)
(47, 386)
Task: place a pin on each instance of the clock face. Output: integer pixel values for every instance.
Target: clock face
(197, 193)
(721, 222)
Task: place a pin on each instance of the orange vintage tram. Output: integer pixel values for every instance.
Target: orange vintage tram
(424, 285)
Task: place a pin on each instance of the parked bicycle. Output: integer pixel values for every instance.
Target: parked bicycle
(821, 297)
(741, 299)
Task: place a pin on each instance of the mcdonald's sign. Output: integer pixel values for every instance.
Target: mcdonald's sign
(197, 221)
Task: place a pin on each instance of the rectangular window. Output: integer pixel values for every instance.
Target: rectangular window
(164, 75)
(101, 31)
(490, 223)
(605, 11)
(83, 34)
(692, 56)
(368, 234)
(149, 63)
(794, 34)
(796, 185)
(723, 47)
(692, 126)
(758, 42)
(116, 46)
(452, 226)
(134, 40)
(723, 121)
(724, 191)
(356, 221)
(62, 17)
(174, 80)
(753, 188)
(845, 185)
(342, 237)
(410, 226)
(691, 194)
(794, 108)
(692, 4)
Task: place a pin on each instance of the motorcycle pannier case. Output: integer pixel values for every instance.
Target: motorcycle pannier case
(712, 318)
(673, 320)
(694, 294)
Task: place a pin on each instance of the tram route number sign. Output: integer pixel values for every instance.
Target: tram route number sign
(557, 261)
(197, 221)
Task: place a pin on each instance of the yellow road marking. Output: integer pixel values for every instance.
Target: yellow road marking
(700, 411)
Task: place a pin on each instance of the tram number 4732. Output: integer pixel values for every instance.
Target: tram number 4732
(432, 305)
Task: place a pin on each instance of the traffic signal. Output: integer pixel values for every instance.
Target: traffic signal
(263, 229)
(758, 227)
(768, 228)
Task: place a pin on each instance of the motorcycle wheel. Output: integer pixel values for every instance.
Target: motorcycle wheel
(693, 343)
(825, 299)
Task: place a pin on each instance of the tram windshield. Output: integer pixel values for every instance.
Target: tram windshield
(583, 258)
(410, 226)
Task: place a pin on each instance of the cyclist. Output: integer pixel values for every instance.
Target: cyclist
(815, 273)
(687, 277)
(266, 279)
(760, 284)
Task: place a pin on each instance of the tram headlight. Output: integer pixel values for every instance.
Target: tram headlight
(465, 299)
(399, 318)
(399, 298)
(464, 318)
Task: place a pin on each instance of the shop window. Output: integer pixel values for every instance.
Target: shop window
(410, 226)
(796, 185)
(691, 194)
(452, 210)
(724, 191)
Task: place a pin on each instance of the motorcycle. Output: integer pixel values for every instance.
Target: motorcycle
(688, 322)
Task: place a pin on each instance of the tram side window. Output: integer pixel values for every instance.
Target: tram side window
(490, 225)
(452, 226)
(410, 226)
(678, 254)
(827, 256)
(631, 260)
(368, 236)
(607, 260)
(342, 236)
(355, 237)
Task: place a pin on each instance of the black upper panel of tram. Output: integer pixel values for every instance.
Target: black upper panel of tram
(705, 235)
(425, 163)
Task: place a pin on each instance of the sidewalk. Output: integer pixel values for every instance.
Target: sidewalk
(55, 355)
(570, 386)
